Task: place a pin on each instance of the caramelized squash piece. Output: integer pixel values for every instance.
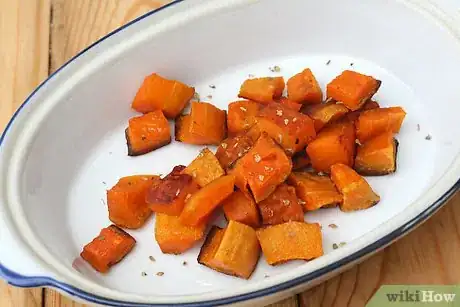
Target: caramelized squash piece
(126, 200)
(264, 90)
(357, 193)
(173, 237)
(241, 116)
(315, 191)
(300, 160)
(201, 204)
(290, 129)
(234, 251)
(369, 105)
(291, 241)
(205, 125)
(377, 156)
(352, 89)
(108, 248)
(290, 103)
(232, 149)
(334, 144)
(377, 121)
(281, 206)
(205, 168)
(158, 93)
(170, 195)
(325, 113)
(147, 132)
(241, 208)
(303, 88)
(262, 169)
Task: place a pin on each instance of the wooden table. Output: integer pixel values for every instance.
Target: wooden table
(37, 36)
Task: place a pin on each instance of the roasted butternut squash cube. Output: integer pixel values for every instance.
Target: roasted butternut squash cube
(373, 122)
(173, 237)
(325, 113)
(170, 195)
(264, 90)
(147, 132)
(205, 125)
(205, 168)
(377, 156)
(232, 149)
(352, 89)
(158, 93)
(241, 116)
(233, 251)
(242, 208)
(290, 103)
(303, 88)
(262, 169)
(315, 191)
(201, 204)
(357, 193)
(126, 200)
(108, 248)
(290, 129)
(300, 160)
(334, 144)
(281, 206)
(290, 241)
(369, 105)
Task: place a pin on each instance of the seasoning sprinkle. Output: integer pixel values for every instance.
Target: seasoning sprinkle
(266, 276)
(328, 62)
(261, 177)
(101, 238)
(224, 145)
(333, 226)
(103, 202)
(302, 202)
(286, 121)
(212, 86)
(321, 173)
(151, 258)
(243, 109)
(358, 142)
(251, 76)
(160, 274)
(286, 202)
(280, 138)
(418, 127)
(275, 68)
(209, 96)
(103, 182)
(268, 168)
(177, 192)
(335, 246)
(184, 263)
(257, 158)
(294, 119)
(428, 137)
(187, 197)
(201, 154)
(351, 64)
(144, 274)
(196, 96)
(341, 244)
(279, 112)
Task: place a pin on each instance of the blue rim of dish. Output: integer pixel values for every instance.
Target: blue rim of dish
(19, 280)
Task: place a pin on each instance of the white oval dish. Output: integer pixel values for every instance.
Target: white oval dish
(65, 145)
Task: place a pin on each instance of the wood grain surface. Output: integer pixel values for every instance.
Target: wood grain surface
(38, 36)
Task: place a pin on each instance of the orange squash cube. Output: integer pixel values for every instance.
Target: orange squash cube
(241, 116)
(158, 93)
(126, 200)
(290, 129)
(201, 204)
(303, 88)
(232, 149)
(108, 248)
(170, 195)
(290, 241)
(334, 144)
(373, 122)
(262, 169)
(234, 251)
(173, 237)
(241, 208)
(147, 132)
(352, 89)
(281, 206)
(315, 191)
(264, 90)
(377, 156)
(205, 168)
(325, 113)
(357, 193)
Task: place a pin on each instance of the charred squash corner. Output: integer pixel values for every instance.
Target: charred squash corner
(377, 156)
(205, 168)
(108, 248)
(325, 113)
(233, 251)
(126, 200)
(303, 88)
(158, 93)
(357, 193)
(263, 90)
(290, 241)
(147, 132)
(232, 149)
(352, 89)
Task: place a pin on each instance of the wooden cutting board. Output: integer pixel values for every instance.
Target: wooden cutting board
(38, 36)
